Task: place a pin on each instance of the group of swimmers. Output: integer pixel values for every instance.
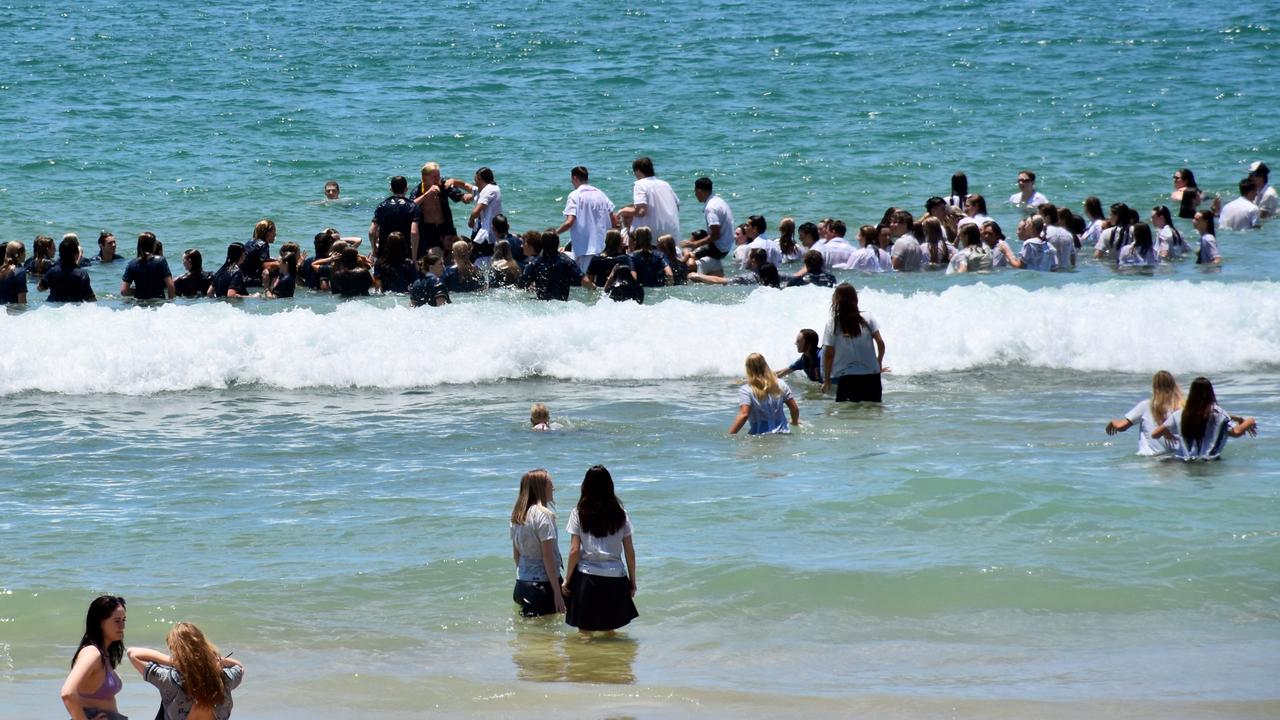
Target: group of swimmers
(416, 249)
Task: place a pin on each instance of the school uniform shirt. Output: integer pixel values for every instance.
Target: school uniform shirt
(865, 259)
(811, 367)
(426, 290)
(975, 258)
(853, 355)
(395, 214)
(1038, 255)
(837, 251)
(906, 249)
(1029, 207)
(1140, 416)
(592, 211)
(601, 265)
(716, 212)
(650, 268)
(396, 278)
(67, 285)
(351, 283)
(551, 278)
(1062, 241)
(767, 415)
(147, 277)
(256, 252)
(1208, 249)
(190, 286)
(13, 285)
(284, 286)
(491, 198)
(1172, 242)
(601, 556)
(821, 279)
(229, 278)
(1208, 447)
(1132, 257)
(662, 214)
(539, 526)
(1239, 214)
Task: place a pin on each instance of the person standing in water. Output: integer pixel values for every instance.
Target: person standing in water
(195, 681)
(600, 587)
(1150, 414)
(763, 401)
(1203, 427)
(535, 547)
(853, 351)
(90, 690)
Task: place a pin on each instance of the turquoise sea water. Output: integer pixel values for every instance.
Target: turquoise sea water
(324, 486)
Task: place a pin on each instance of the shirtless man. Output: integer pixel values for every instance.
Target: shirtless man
(434, 221)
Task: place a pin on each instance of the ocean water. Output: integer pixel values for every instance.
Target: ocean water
(323, 486)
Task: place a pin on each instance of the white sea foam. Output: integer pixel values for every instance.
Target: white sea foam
(1115, 326)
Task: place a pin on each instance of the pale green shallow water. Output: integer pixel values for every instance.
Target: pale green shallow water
(323, 487)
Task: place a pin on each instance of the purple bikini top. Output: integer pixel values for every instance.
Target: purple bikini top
(109, 688)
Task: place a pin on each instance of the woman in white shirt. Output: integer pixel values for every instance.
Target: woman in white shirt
(535, 547)
(852, 350)
(1150, 414)
(598, 585)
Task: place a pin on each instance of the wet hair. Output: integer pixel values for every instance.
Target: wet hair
(146, 245)
(399, 184)
(960, 185)
(838, 228)
(1142, 238)
(430, 259)
(902, 217)
(486, 174)
(1162, 211)
(1262, 171)
(69, 251)
(462, 260)
(500, 224)
(392, 251)
(813, 261)
(1049, 212)
(1188, 177)
(768, 274)
(196, 260)
(102, 237)
(323, 244)
(1207, 216)
(534, 239)
(1030, 175)
(1093, 207)
(1246, 186)
(758, 223)
(757, 258)
(613, 243)
(935, 241)
(667, 246)
(289, 259)
(198, 662)
(331, 185)
(703, 184)
(349, 260)
(979, 202)
(14, 253)
(969, 235)
(869, 234)
(1197, 411)
(761, 378)
(808, 229)
(599, 512)
(235, 251)
(995, 228)
(811, 341)
(1166, 396)
(642, 238)
(844, 310)
(787, 235)
(934, 202)
(262, 229)
(535, 487)
(580, 172)
(643, 165)
(100, 609)
(550, 245)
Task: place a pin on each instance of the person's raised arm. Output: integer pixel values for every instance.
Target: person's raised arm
(141, 657)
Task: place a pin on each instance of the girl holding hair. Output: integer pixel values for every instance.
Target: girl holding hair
(853, 351)
(763, 400)
(13, 274)
(1207, 253)
(1150, 414)
(535, 547)
(195, 681)
(599, 587)
(1203, 427)
(90, 690)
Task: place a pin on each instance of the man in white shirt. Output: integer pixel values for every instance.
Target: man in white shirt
(588, 215)
(488, 198)
(906, 248)
(1027, 199)
(837, 250)
(755, 227)
(655, 203)
(1266, 199)
(719, 218)
(1241, 213)
(1059, 237)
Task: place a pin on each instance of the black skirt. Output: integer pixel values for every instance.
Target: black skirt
(597, 602)
(534, 598)
(858, 388)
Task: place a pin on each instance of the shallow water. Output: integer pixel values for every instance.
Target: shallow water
(323, 485)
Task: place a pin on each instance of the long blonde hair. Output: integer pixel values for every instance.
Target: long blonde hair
(198, 661)
(261, 230)
(462, 259)
(761, 378)
(535, 490)
(14, 253)
(1166, 396)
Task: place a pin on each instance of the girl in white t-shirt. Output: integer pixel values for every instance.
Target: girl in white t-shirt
(763, 401)
(598, 585)
(1150, 414)
(535, 547)
(1208, 253)
(1203, 427)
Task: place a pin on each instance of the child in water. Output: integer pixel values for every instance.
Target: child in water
(540, 418)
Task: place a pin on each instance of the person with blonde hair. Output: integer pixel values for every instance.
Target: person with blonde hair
(13, 274)
(463, 275)
(195, 681)
(535, 546)
(1166, 399)
(762, 401)
(433, 220)
(257, 252)
(1203, 426)
(539, 418)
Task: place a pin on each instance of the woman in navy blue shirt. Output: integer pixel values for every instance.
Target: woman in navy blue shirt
(13, 275)
(147, 276)
(65, 280)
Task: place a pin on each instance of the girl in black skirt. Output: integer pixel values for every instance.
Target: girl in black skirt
(597, 588)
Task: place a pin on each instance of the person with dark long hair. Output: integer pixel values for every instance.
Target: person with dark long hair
(195, 282)
(535, 546)
(1207, 253)
(90, 690)
(1142, 251)
(228, 281)
(808, 344)
(853, 351)
(1186, 193)
(1203, 426)
(195, 681)
(598, 585)
(147, 276)
(66, 280)
(1169, 240)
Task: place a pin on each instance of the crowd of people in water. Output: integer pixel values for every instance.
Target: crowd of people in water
(415, 247)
